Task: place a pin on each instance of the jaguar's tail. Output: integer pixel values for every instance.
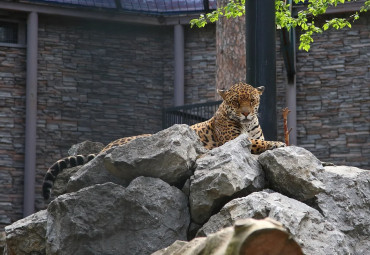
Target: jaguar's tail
(58, 166)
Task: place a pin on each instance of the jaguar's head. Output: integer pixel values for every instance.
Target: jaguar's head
(242, 101)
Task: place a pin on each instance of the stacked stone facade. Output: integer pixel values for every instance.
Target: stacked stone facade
(333, 95)
(97, 81)
(100, 81)
(12, 118)
(200, 64)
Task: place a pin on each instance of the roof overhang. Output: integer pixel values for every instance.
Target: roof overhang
(340, 8)
(103, 15)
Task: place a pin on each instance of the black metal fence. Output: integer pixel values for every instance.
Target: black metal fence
(189, 114)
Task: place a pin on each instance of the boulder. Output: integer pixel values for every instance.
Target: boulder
(310, 229)
(27, 236)
(109, 219)
(247, 236)
(222, 174)
(112, 208)
(2, 241)
(61, 183)
(85, 148)
(345, 202)
(94, 172)
(169, 155)
(186, 188)
(292, 171)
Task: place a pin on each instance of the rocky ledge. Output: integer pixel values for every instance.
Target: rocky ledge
(166, 190)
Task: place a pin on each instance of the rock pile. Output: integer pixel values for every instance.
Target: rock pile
(142, 197)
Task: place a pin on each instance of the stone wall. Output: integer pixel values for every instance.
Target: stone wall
(333, 95)
(12, 117)
(200, 64)
(96, 81)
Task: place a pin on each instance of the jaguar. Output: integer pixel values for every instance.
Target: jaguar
(237, 114)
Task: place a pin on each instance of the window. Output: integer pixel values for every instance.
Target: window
(8, 32)
(12, 33)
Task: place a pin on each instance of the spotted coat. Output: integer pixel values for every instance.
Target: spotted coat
(237, 114)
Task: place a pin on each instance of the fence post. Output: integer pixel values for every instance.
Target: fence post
(179, 65)
(261, 59)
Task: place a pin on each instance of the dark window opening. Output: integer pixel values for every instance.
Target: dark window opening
(9, 32)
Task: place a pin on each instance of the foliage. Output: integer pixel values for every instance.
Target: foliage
(305, 19)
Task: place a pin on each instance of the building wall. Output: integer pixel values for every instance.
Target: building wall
(333, 95)
(12, 117)
(200, 64)
(97, 81)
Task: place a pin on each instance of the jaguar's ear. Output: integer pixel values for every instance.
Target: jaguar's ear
(261, 89)
(222, 93)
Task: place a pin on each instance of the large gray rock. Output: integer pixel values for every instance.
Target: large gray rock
(169, 155)
(27, 236)
(109, 219)
(85, 148)
(310, 229)
(292, 171)
(2, 241)
(61, 182)
(221, 174)
(84, 178)
(94, 172)
(346, 203)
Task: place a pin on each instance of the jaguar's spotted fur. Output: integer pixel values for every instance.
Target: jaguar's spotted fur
(236, 115)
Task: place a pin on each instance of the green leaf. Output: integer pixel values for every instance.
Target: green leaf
(236, 8)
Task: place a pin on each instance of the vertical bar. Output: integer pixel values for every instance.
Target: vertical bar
(31, 115)
(118, 4)
(179, 65)
(292, 88)
(261, 59)
(206, 6)
(291, 102)
(291, 91)
(163, 118)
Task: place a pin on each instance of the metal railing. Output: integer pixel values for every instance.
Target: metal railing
(189, 114)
